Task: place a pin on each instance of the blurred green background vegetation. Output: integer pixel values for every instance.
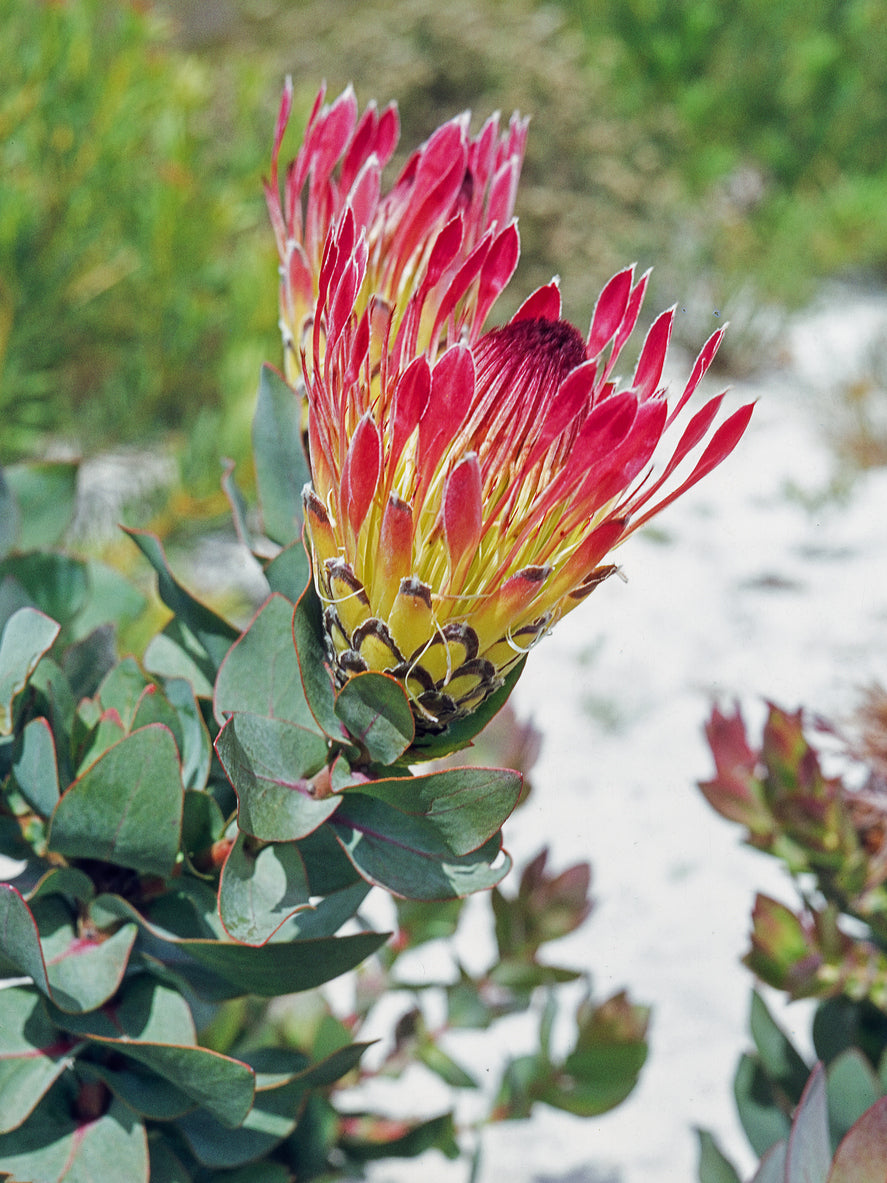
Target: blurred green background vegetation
(741, 149)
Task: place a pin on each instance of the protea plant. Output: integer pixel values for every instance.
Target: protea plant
(467, 484)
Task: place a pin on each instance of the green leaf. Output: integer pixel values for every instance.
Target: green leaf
(111, 598)
(272, 1118)
(281, 467)
(289, 572)
(56, 584)
(862, 1155)
(76, 974)
(314, 668)
(272, 1172)
(375, 709)
(32, 1055)
(126, 808)
(27, 636)
(407, 856)
(853, 1087)
(151, 1024)
(146, 1011)
(202, 822)
(237, 502)
(779, 1059)
(34, 767)
(763, 1121)
(46, 493)
(437, 1061)
(195, 748)
(267, 762)
(214, 634)
(329, 914)
(466, 806)
(149, 1094)
(177, 653)
(166, 1167)
(460, 734)
(53, 1146)
(260, 673)
(323, 1073)
(88, 661)
(260, 889)
(122, 690)
(809, 1151)
(714, 1167)
(10, 517)
(63, 881)
(596, 1079)
(329, 869)
(276, 968)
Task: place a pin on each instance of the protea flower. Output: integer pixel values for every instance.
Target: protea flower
(467, 486)
(445, 225)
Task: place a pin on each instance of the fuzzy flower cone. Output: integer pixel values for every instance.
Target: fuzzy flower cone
(468, 486)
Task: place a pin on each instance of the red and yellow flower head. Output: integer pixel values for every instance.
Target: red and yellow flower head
(467, 485)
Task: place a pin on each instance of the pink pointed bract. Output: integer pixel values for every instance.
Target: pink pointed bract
(468, 484)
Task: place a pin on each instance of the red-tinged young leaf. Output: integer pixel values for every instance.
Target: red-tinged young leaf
(27, 635)
(126, 808)
(782, 953)
(260, 889)
(268, 762)
(54, 1147)
(367, 1138)
(260, 674)
(862, 1155)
